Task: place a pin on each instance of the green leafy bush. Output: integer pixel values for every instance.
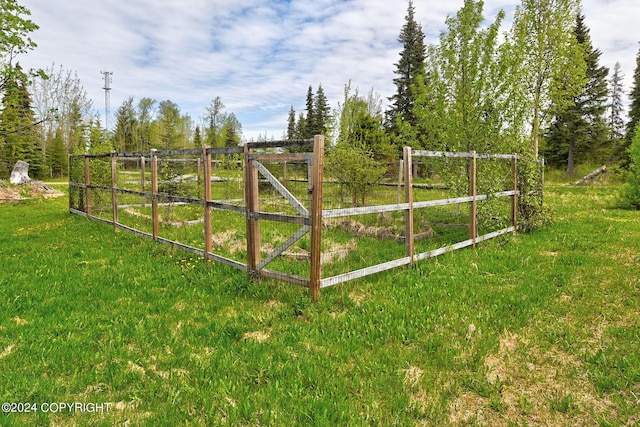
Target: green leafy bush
(631, 190)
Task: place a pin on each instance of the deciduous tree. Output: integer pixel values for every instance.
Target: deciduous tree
(62, 97)
(546, 59)
(579, 130)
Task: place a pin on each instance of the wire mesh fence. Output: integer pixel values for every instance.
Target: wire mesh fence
(272, 210)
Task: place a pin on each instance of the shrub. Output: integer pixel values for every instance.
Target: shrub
(631, 190)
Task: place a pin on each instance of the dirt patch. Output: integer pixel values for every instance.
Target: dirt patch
(412, 376)
(534, 386)
(227, 240)
(357, 297)
(19, 321)
(31, 190)
(256, 336)
(134, 367)
(378, 232)
(334, 252)
(7, 351)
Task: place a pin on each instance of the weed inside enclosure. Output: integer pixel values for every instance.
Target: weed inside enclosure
(271, 210)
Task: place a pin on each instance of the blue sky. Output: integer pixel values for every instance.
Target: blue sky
(260, 56)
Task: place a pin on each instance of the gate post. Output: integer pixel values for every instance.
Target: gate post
(208, 243)
(252, 203)
(154, 192)
(143, 179)
(114, 185)
(317, 174)
(514, 187)
(473, 223)
(87, 183)
(408, 198)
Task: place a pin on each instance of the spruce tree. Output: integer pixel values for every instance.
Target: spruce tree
(579, 131)
(321, 113)
(301, 127)
(616, 122)
(408, 68)
(125, 137)
(197, 138)
(57, 155)
(291, 124)
(21, 140)
(634, 113)
(309, 125)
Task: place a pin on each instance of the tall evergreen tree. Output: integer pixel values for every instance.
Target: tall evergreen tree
(232, 131)
(634, 113)
(197, 138)
(321, 113)
(291, 124)
(580, 131)
(301, 127)
(169, 122)
(408, 68)
(126, 134)
(57, 155)
(20, 139)
(616, 109)
(309, 125)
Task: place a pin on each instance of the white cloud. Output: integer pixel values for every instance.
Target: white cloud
(260, 56)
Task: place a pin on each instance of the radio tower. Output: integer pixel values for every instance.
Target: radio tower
(107, 98)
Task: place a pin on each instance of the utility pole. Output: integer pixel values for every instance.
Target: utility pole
(107, 98)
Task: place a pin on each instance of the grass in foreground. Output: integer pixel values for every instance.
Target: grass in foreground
(538, 329)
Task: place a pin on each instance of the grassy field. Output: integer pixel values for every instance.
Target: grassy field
(537, 329)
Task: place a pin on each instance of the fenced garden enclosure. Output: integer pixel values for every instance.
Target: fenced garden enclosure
(272, 210)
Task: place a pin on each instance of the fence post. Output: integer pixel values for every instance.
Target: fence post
(473, 224)
(407, 158)
(207, 197)
(400, 176)
(114, 194)
(199, 166)
(252, 203)
(285, 175)
(154, 192)
(317, 175)
(71, 189)
(514, 199)
(143, 180)
(87, 183)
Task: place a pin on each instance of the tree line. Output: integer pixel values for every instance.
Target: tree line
(45, 115)
(536, 89)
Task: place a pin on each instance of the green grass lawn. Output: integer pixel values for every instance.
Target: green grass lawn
(537, 329)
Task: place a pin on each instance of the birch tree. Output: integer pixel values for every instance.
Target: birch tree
(546, 59)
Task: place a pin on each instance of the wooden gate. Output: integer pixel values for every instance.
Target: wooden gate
(309, 220)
